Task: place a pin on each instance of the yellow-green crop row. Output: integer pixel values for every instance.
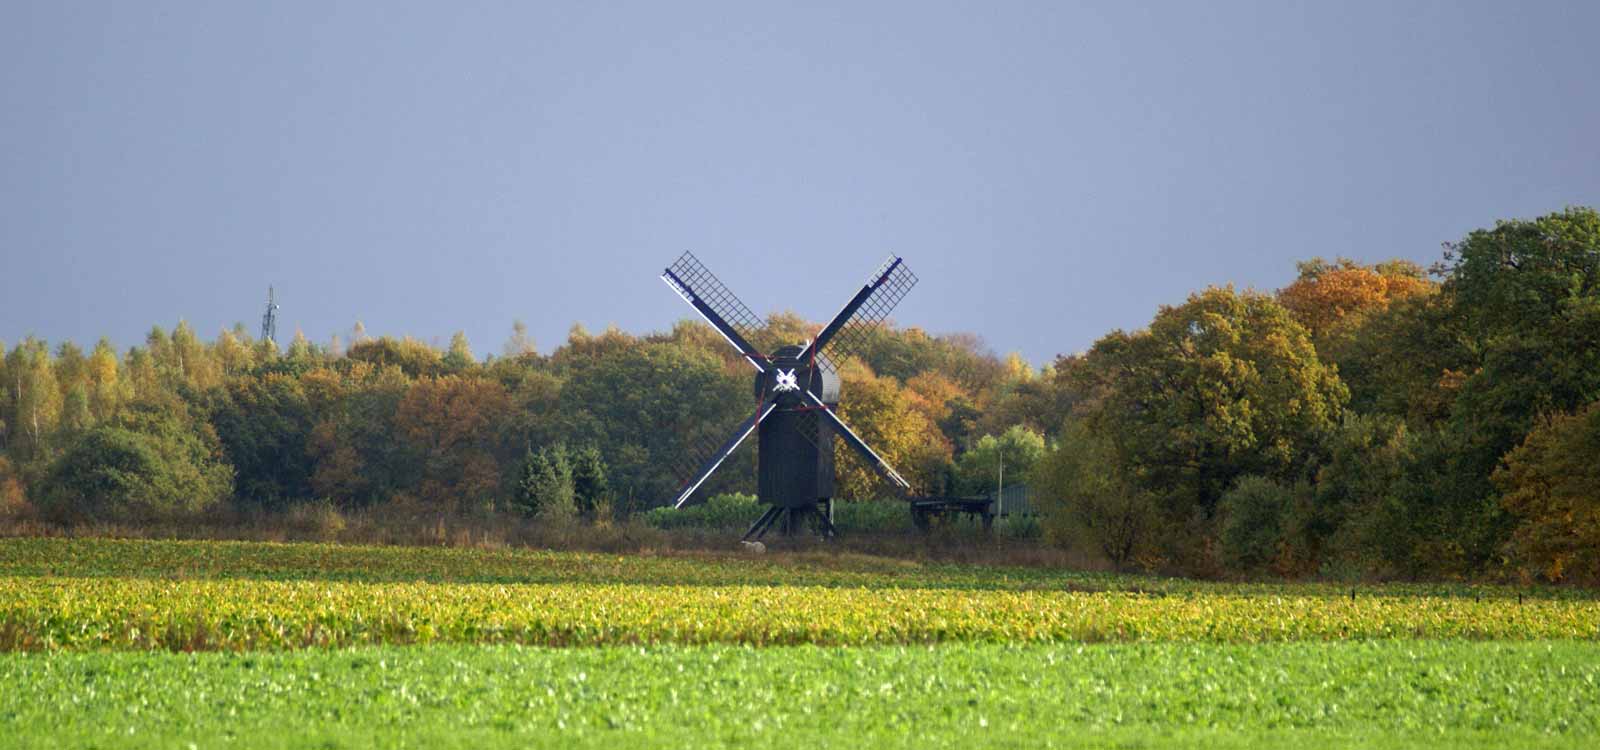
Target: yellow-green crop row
(228, 560)
(45, 613)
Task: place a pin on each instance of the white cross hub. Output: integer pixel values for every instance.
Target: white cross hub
(785, 381)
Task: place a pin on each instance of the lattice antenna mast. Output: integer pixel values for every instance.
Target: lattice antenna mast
(269, 319)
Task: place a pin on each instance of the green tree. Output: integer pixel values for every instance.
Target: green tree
(545, 489)
(590, 487)
(1408, 359)
(1354, 512)
(1226, 384)
(264, 424)
(302, 354)
(34, 400)
(1018, 450)
(647, 406)
(1252, 520)
(1087, 501)
(156, 462)
(1529, 291)
(459, 357)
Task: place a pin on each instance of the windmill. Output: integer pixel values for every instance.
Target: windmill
(796, 394)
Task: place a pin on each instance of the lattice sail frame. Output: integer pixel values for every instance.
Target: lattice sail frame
(716, 295)
(872, 312)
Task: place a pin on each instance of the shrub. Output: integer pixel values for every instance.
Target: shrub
(872, 516)
(13, 501)
(1019, 527)
(1251, 523)
(154, 465)
(726, 511)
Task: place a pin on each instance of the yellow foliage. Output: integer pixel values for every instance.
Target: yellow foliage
(1326, 296)
(1551, 484)
(885, 415)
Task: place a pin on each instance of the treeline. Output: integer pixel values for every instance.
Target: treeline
(1362, 421)
(1379, 421)
(598, 427)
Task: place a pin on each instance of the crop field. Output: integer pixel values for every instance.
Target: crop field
(151, 643)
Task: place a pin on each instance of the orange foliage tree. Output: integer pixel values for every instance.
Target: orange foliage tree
(1327, 295)
(451, 422)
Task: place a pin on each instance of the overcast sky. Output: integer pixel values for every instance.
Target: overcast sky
(1051, 171)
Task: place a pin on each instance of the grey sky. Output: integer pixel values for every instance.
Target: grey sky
(1051, 170)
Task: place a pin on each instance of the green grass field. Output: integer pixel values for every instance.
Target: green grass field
(324, 646)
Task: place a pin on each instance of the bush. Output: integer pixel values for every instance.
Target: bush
(1019, 527)
(13, 501)
(1251, 523)
(155, 465)
(872, 516)
(319, 519)
(735, 512)
(726, 511)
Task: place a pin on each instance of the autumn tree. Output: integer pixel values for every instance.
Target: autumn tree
(191, 361)
(451, 422)
(1224, 385)
(1551, 485)
(1327, 296)
(520, 343)
(413, 357)
(107, 390)
(356, 457)
(883, 415)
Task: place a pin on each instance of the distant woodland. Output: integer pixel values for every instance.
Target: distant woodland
(1363, 421)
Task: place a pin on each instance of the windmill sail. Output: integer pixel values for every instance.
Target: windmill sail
(847, 333)
(712, 457)
(701, 288)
